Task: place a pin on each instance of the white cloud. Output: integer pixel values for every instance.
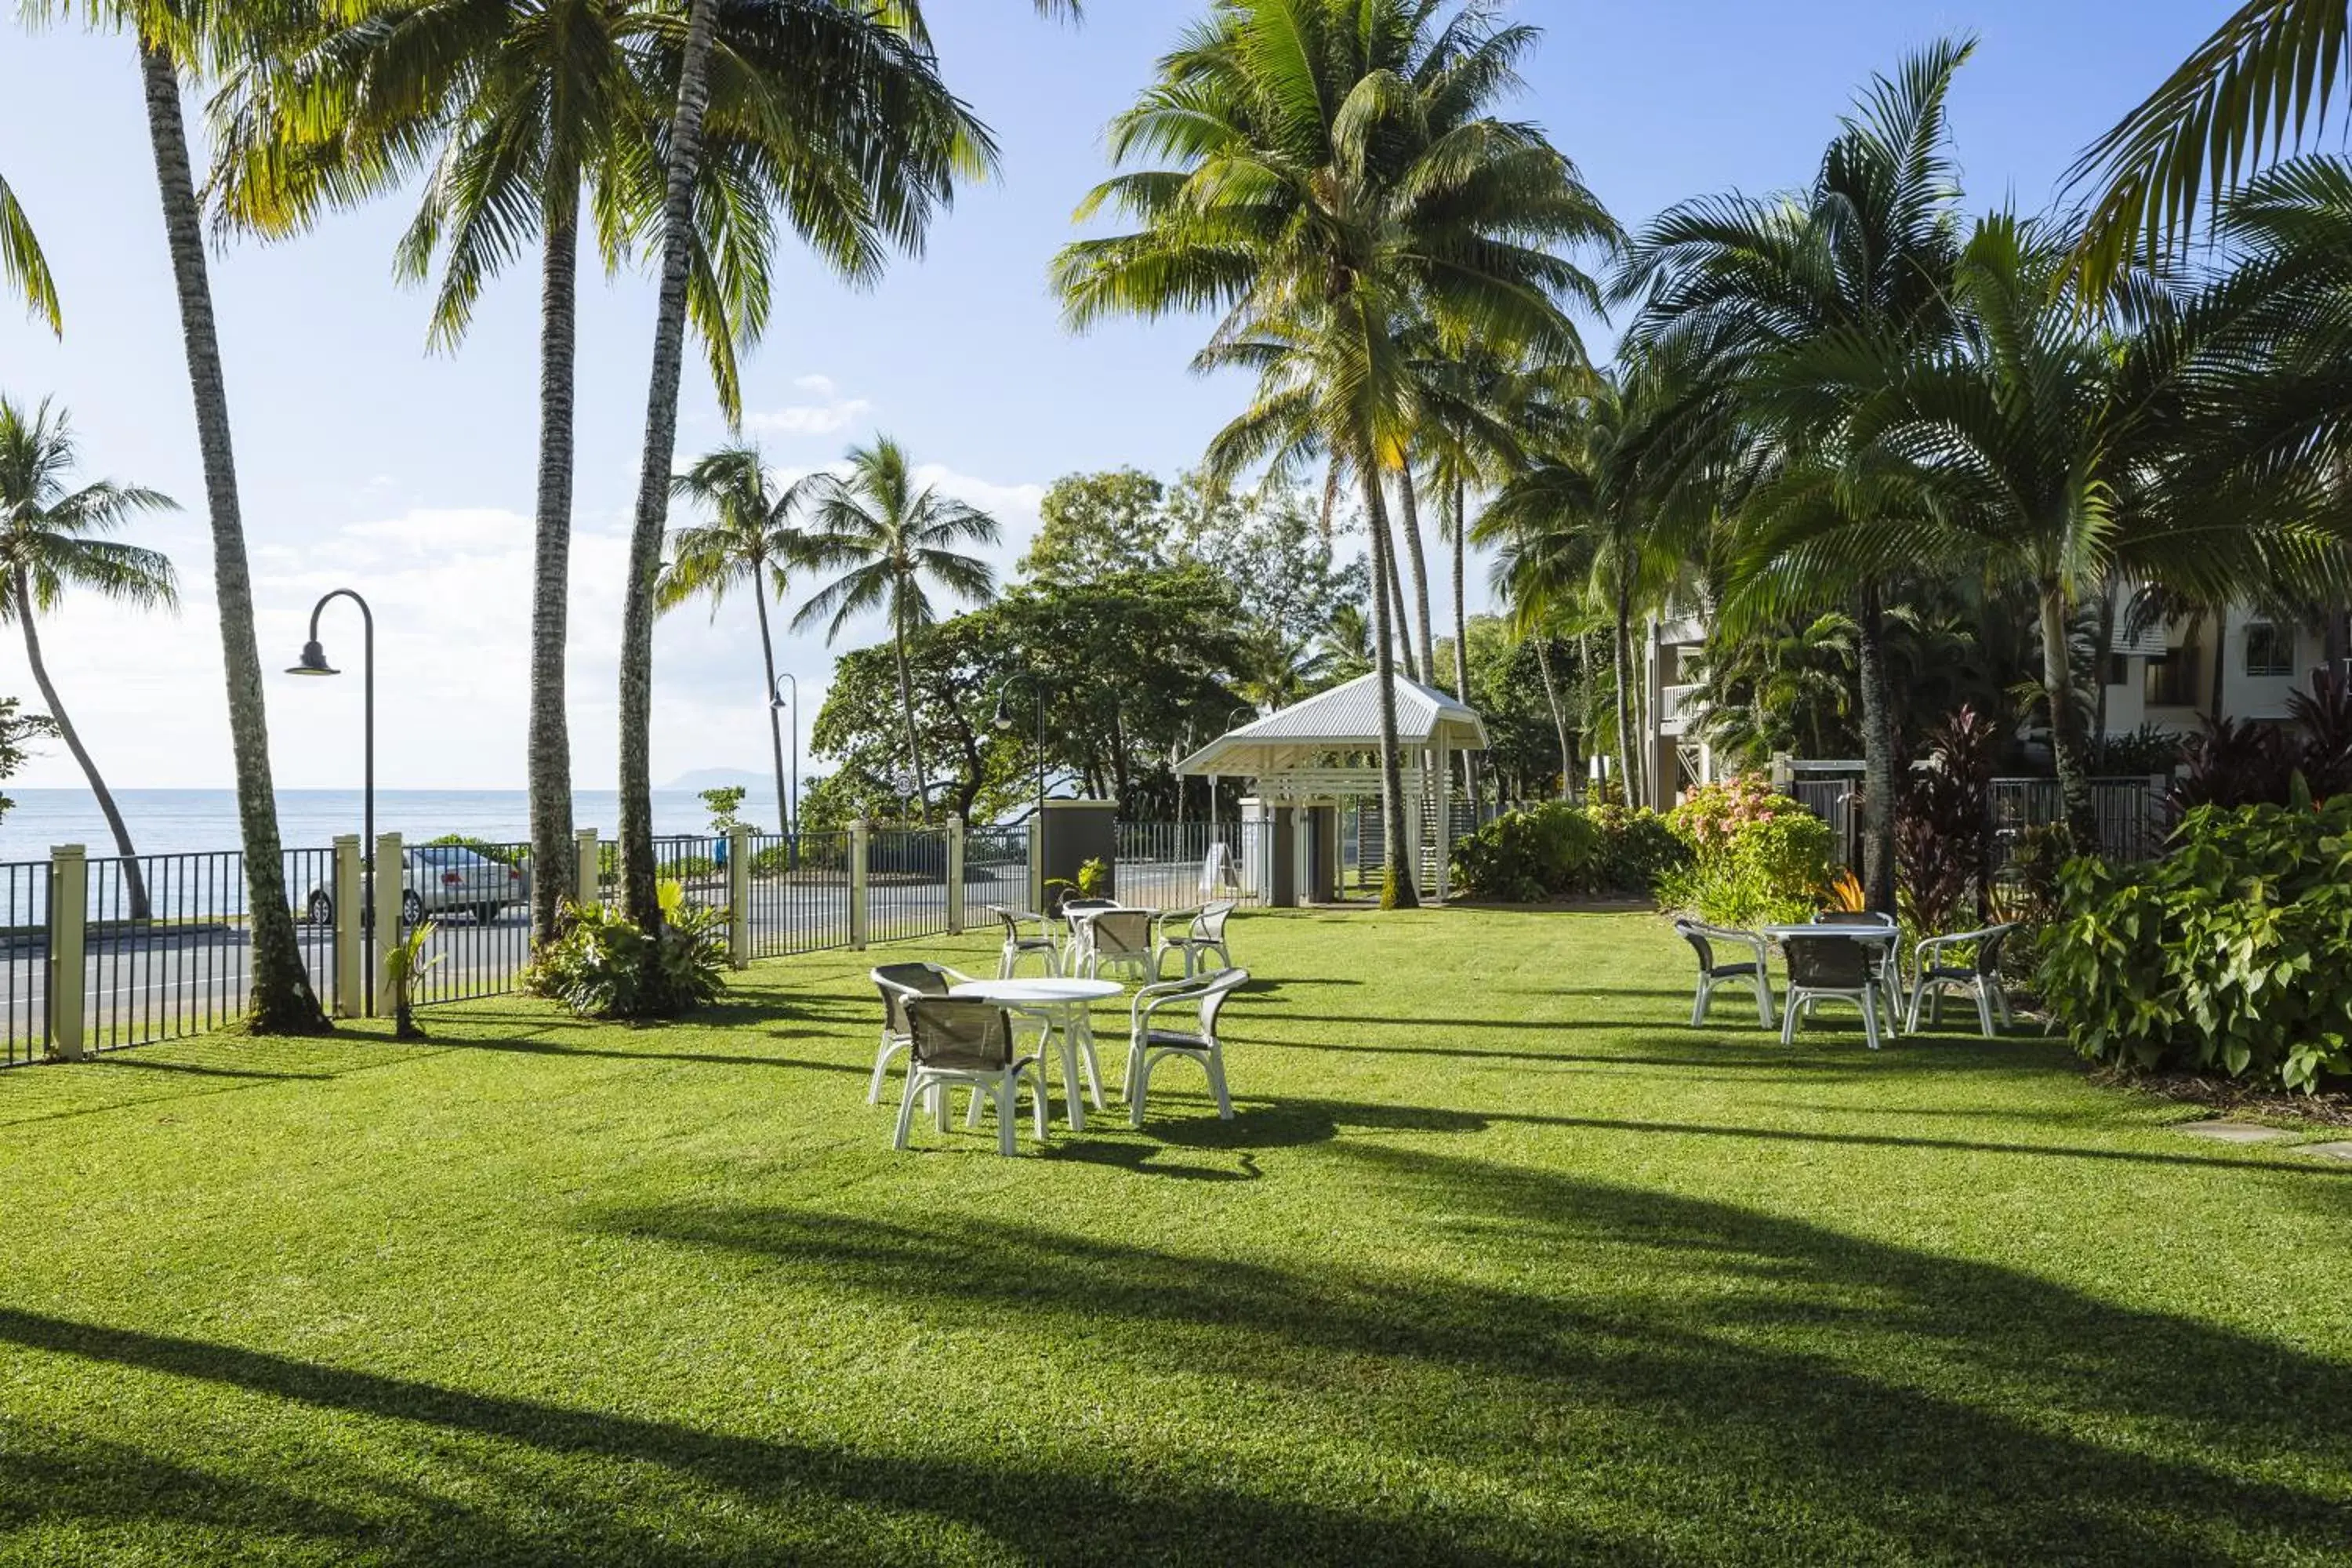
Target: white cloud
(830, 414)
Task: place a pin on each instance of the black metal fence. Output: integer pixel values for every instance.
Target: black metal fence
(1182, 864)
(995, 872)
(2132, 816)
(24, 928)
(800, 893)
(906, 884)
(478, 898)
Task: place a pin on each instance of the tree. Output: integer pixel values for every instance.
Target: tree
(281, 1000)
(50, 540)
(892, 543)
(17, 731)
(875, 141)
(2266, 77)
(1335, 173)
(1091, 524)
(22, 265)
(752, 544)
(1762, 301)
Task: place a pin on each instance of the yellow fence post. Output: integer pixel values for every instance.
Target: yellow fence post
(69, 928)
(391, 885)
(857, 884)
(739, 895)
(346, 887)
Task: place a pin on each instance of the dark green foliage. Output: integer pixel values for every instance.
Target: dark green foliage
(606, 966)
(2226, 954)
(1524, 857)
(2244, 762)
(2150, 748)
(16, 730)
(1941, 864)
(1633, 847)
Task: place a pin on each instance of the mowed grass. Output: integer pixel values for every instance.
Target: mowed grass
(1499, 1261)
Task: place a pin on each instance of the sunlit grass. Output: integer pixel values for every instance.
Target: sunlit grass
(1498, 1261)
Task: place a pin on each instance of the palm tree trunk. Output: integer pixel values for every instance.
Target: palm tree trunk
(134, 883)
(1398, 893)
(1629, 766)
(2102, 657)
(1398, 619)
(639, 897)
(906, 708)
(2066, 721)
(282, 1001)
(1331, 499)
(1462, 632)
(1408, 523)
(548, 750)
(775, 720)
(1877, 753)
(1558, 717)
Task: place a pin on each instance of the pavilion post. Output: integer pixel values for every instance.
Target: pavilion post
(1444, 833)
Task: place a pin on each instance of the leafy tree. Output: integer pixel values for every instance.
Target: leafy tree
(954, 668)
(892, 543)
(1335, 171)
(1268, 545)
(18, 729)
(751, 543)
(723, 803)
(51, 540)
(23, 267)
(1098, 523)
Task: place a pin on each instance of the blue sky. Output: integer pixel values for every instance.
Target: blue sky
(366, 460)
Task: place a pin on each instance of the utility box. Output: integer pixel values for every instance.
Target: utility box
(1064, 836)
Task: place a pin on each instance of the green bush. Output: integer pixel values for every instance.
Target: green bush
(1633, 848)
(1524, 857)
(2226, 953)
(1769, 870)
(605, 966)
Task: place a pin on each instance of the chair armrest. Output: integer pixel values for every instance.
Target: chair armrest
(1150, 999)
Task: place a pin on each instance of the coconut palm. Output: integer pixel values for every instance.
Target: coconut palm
(750, 543)
(50, 540)
(892, 543)
(1764, 299)
(22, 265)
(1335, 173)
(2266, 78)
(865, 84)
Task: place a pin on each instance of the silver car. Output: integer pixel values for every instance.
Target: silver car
(443, 879)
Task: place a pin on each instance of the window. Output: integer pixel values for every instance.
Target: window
(2270, 650)
(2171, 679)
(2118, 669)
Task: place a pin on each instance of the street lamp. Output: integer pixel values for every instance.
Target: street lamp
(792, 802)
(314, 662)
(1005, 722)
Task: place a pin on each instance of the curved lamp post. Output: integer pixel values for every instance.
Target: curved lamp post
(791, 804)
(1005, 722)
(314, 662)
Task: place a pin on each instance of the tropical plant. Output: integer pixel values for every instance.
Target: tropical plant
(1942, 852)
(1770, 869)
(892, 542)
(722, 802)
(404, 964)
(1527, 856)
(23, 267)
(1335, 175)
(750, 543)
(2224, 954)
(606, 965)
(1635, 848)
(2255, 87)
(1765, 302)
(51, 538)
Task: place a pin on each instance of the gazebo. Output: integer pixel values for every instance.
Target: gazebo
(1314, 755)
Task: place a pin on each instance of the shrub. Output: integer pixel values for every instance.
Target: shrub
(2150, 748)
(1633, 848)
(606, 966)
(1941, 865)
(1524, 857)
(1770, 872)
(2226, 953)
(1712, 816)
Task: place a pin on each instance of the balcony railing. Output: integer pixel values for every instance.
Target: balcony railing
(1679, 709)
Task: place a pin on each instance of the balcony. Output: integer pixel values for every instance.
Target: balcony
(1679, 710)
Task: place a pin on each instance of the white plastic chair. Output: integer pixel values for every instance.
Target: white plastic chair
(957, 1042)
(1890, 956)
(900, 983)
(1118, 940)
(1203, 933)
(1979, 978)
(1147, 1044)
(1753, 973)
(1832, 969)
(1020, 940)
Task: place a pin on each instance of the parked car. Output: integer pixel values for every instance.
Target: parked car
(443, 879)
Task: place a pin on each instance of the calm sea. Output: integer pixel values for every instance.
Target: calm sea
(184, 821)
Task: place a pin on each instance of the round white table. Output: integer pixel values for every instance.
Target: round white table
(1061, 1006)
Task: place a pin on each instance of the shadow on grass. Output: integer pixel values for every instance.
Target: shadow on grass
(1808, 1395)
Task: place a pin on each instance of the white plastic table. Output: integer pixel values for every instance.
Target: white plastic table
(1062, 1007)
(1844, 930)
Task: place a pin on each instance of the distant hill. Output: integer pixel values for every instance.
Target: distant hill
(722, 778)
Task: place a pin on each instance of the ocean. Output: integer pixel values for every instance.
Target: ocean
(189, 821)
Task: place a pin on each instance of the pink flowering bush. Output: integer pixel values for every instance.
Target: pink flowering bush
(1712, 816)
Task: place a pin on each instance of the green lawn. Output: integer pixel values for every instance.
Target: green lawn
(1499, 1261)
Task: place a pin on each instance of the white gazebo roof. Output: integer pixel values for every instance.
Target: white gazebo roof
(1306, 735)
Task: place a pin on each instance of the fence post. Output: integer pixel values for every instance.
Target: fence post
(587, 867)
(955, 875)
(348, 889)
(857, 844)
(390, 883)
(69, 928)
(739, 895)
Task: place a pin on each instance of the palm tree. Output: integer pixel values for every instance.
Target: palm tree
(281, 1000)
(875, 141)
(751, 546)
(1766, 299)
(22, 265)
(1337, 175)
(892, 542)
(47, 543)
(2267, 76)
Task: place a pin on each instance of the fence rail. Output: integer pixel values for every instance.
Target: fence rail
(800, 893)
(24, 916)
(907, 884)
(480, 901)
